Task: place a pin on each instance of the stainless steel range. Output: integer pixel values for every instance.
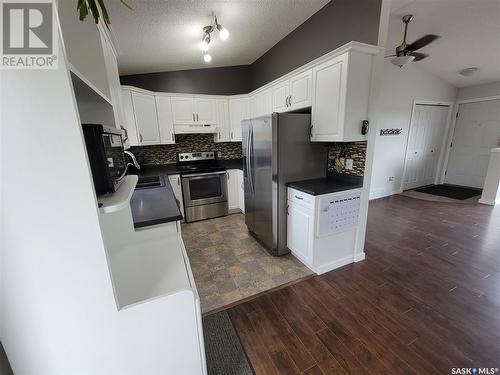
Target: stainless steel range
(204, 185)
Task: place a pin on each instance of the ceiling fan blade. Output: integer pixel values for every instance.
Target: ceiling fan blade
(419, 56)
(422, 42)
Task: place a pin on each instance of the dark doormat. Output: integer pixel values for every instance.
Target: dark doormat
(225, 354)
(450, 191)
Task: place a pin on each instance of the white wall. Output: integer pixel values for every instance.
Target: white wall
(55, 282)
(400, 88)
(479, 91)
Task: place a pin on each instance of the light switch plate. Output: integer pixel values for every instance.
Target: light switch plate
(219, 154)
(349, 164)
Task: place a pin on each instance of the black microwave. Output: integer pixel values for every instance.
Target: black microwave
(106, 156)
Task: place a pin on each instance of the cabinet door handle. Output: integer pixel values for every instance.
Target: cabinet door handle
(173, 139)
(178, 181)
(140, 137)
(231, 135)
(299, 198)
(290, 100)
(227, 176)
(197, 119)
(193, 118)
(218, 136)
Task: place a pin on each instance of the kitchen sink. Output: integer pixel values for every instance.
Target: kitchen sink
(150, 182)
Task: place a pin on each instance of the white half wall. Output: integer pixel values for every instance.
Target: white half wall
(479, 91)
(400, 88)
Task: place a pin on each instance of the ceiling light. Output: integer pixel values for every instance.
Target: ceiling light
(468, 71)
(402, 60)
(223, 33)
(205, 42)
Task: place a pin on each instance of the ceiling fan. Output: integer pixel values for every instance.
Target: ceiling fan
(406, 53)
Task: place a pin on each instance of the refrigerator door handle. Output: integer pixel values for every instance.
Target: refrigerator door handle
(250, 158)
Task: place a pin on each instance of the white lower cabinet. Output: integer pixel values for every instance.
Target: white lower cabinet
(233, 196)
(175, 183)
(235, 192)
(321, 229)
(241, 188)
(298, 236)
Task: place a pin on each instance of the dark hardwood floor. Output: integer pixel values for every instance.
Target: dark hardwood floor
(425, 300)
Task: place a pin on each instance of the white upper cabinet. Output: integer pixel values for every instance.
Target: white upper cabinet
(132, 138)
(300, 90)
(146, 119)
(341, 90)
(165, 120)
(223, 127)
(183, 110)
(206, 111)
(239, 109)
(113, 80)
(293, 93)
(280, 96)
(262, 103)
(190, 110)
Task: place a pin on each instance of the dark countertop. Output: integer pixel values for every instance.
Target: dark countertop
(331, 184)
(167, 169)
(154, 206)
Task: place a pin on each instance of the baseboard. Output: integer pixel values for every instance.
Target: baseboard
(359, 257)
(376, 194)
(333, 265)
(488, 202)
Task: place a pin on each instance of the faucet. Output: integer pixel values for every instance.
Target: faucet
(134, 160)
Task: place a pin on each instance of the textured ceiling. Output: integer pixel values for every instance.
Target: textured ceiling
(469, 30)
(165, 35)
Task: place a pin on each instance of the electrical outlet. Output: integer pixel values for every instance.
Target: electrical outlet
(219, 154)
(391, 178)
(349, 164)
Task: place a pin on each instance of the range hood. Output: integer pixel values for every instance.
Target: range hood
(195, 129)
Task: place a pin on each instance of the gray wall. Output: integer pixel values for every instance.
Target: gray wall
(229, 80)
(338, 22)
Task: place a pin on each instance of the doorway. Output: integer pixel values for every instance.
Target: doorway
(425, 144)
(476, 132)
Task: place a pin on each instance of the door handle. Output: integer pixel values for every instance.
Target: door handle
(140, 137)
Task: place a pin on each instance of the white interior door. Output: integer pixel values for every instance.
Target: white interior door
(476, 132)
(427, 131)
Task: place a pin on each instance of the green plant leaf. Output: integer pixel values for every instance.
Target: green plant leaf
(93, 8)
(105, 15)
(83, 11)
(124, 2)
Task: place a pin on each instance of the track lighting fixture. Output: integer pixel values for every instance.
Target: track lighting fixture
(205, 41)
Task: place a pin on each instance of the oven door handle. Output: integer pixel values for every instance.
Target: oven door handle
(202, 174)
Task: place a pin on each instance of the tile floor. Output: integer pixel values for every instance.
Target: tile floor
(229, 264)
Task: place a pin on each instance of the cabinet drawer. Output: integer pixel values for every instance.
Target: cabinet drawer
(298, 197)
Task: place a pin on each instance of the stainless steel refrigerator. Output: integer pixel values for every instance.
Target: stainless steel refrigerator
(276, 150)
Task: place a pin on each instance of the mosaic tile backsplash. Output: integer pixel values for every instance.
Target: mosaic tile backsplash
(349, 150)
(167, 154)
